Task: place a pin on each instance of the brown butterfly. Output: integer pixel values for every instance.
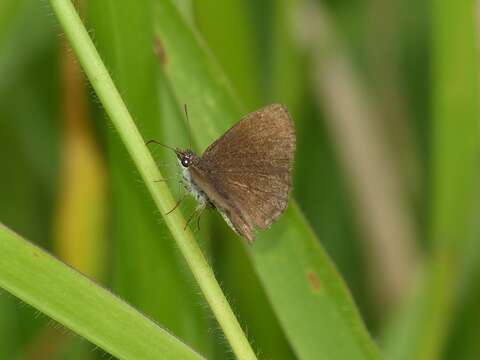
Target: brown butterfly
(247, 173)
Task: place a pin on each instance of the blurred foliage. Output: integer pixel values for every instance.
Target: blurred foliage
(419, 71)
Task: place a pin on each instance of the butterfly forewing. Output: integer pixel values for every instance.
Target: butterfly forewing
(250, 169)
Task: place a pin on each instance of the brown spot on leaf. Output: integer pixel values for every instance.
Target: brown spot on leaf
(159, 51)
(313, 281)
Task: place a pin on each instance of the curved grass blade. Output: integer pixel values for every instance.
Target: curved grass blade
(244, 60)
(145, 270)
(65, 295)
(308, 295)
(118, 113)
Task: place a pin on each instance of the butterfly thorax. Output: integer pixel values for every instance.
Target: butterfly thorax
(187, 158)
(189, 162)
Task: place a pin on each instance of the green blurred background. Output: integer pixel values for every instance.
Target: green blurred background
(384, 95)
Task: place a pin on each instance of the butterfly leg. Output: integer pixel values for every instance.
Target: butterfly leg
(166, 178)
(198, 212)
(176, 205)
(199, 217)
(190, 219)
(163, 180)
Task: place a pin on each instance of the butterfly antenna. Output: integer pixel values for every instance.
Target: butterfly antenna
(159, 143)
(188, 127)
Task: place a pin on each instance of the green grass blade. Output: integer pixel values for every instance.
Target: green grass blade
(231, 32)
(325, 200)
(9, 338)
(465, 329)
(118, 113)
(227, 28)
(456, 112)
(145, 270)
(65, 295)
(28, 178)
(20, 49)
(455, 145)
(308, 295)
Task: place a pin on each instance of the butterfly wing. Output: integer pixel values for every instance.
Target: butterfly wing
(250, 167)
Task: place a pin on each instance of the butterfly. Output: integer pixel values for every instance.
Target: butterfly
(247, 173)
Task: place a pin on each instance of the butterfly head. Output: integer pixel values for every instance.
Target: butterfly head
(185, 157)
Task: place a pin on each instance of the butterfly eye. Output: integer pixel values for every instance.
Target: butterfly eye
(185, 162)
